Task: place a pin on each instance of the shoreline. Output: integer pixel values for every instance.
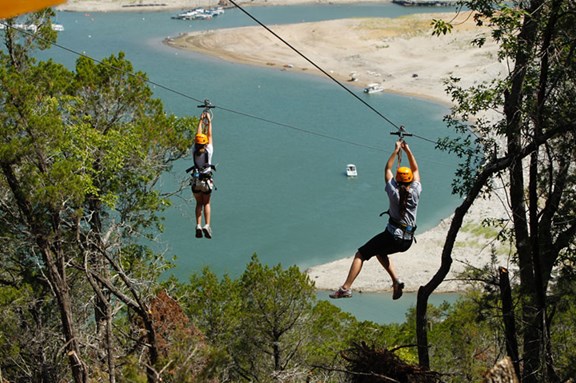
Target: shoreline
(165, 5)
(400, 53)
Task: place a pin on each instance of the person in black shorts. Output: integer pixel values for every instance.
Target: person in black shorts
(403, 191)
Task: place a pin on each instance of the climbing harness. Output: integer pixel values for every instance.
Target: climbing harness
(201, 178)
(406, 229)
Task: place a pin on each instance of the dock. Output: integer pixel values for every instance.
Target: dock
(426, 3)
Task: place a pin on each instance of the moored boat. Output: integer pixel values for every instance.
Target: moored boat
(374, 88)
(199, 14)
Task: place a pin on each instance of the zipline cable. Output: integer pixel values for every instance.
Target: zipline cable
(171, 90)
(398, 127)
(187, 96)
(314, 64)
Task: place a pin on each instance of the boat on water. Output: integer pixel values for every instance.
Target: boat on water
(33, 27)
(199, 14)
(374, 88)
(187, 15)
(216, 10)
(351, 170)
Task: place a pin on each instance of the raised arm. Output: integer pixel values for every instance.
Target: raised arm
(388, 173)
(209, 127)
(412, 160)
(205, 128)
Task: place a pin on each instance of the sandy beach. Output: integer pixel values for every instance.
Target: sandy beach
(401, 54)
(158, 5)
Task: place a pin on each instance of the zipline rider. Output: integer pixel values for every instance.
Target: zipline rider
(202, 182)
(403, 191)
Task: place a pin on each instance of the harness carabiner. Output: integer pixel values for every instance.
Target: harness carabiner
(206, 109)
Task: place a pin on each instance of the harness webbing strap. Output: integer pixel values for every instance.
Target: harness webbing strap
(405, 228)
(207, 166)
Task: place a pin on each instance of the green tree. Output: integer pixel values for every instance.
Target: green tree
(533, 143)
(215, 305)
(80, 158)
(276, 305)
(265, 325)
(466, 337)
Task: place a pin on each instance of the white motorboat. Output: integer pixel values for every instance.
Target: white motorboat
(188, 15)
(199, 14)
(33, 27)
(351, 170)
(215, 11)
(202, 16)
(374, 88)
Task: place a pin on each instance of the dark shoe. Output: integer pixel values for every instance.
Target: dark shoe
(397, 286)
(207, 232)
(198, 232)
(341, 293)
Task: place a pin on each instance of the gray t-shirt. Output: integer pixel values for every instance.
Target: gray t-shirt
(393, 190)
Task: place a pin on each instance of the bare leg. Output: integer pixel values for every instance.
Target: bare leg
(206, 202)
(355, 269)
(387, 264)
(397, 285)
(198, 210)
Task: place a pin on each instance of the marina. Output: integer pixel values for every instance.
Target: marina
(33, 27)
(426, 3)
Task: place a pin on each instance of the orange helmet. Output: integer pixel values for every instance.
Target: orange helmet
(404, 175)
(201, 139)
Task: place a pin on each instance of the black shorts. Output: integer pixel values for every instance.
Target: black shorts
(384, 244)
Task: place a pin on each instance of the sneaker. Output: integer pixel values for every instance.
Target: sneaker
(198, 232)
(397, 286)
(207, 231)
(341, 293)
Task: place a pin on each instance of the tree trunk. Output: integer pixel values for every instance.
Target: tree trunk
(514, 115)
(508, 319)
(55, 264)
(61, 289)
(425, 291)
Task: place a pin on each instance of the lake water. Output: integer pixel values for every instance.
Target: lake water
(282, 190)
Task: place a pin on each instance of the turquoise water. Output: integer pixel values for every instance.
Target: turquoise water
(282, 191)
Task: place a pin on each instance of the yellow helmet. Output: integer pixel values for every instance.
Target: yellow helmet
(201, 139)
(404, 175)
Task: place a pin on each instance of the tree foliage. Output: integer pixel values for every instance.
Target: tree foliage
(81, 154)
(267, 325)
(530, 146)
